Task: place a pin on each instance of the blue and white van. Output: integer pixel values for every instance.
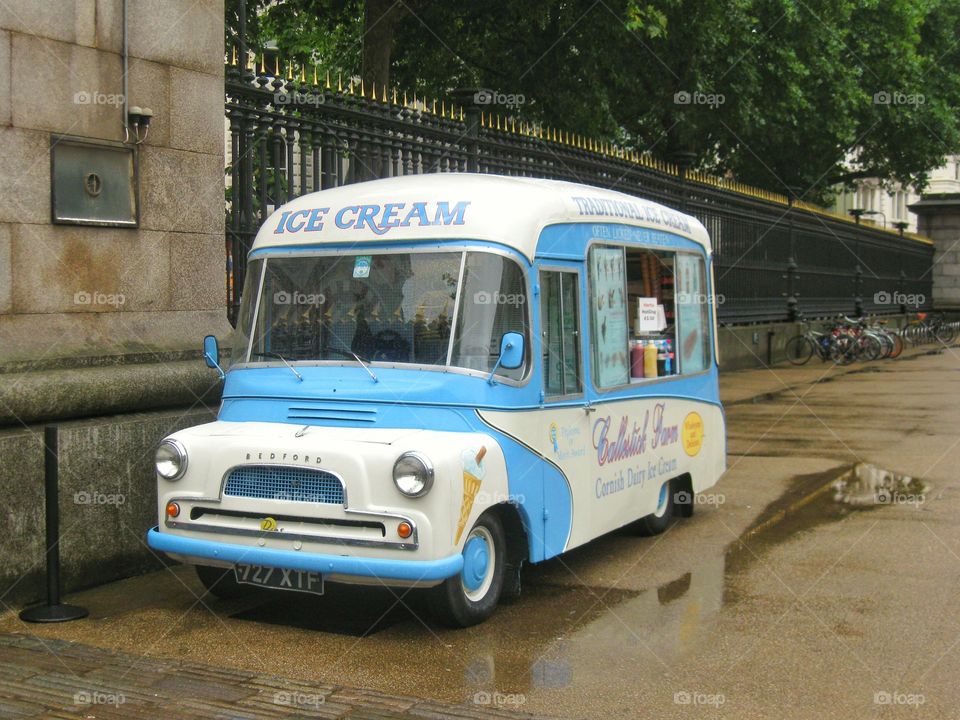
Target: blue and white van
(437, 378)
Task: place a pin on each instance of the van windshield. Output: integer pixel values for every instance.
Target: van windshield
(425, 308)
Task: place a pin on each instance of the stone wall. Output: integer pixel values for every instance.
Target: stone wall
(939, 219)
(120, 375)
(57, 59)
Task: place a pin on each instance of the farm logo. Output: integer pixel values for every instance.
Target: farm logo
(691, 434)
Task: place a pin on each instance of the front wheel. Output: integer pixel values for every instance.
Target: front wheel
(471, 597)
(799, 350)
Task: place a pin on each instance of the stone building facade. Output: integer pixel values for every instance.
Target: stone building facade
(100, 326)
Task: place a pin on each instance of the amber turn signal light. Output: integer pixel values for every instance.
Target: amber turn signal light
(404, 530)
(173, 510)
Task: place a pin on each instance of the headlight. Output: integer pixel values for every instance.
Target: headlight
(171, 460)
(413, 474)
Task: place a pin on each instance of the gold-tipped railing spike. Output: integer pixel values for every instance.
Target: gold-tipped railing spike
(363, 91)
(339, 82)
(276, 66)
(405, 103)
(394, 101)
(328, 80)
(373, 90)
(289, 71)
(303, 75)
(233, 60)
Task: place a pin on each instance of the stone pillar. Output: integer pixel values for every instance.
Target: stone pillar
(938, 217)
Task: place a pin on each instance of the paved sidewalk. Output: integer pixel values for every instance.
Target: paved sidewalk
(693, 603)
(58, 679)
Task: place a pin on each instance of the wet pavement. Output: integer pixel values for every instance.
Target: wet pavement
(818, 578)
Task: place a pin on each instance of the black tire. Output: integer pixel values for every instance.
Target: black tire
(470, 597)
(222, 583)
(897, 345)
(870, 347)
(659, 520)
(799, 350)
(945, 333)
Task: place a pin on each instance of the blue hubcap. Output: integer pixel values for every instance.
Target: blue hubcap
(476, 558)
(662, 502)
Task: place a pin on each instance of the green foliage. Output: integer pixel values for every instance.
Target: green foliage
(791, 95)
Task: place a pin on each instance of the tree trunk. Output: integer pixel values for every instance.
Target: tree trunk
(380, 19)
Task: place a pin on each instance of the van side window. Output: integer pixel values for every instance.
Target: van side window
(693, 317)
(662, 326)
(560, 328)
(608, 309)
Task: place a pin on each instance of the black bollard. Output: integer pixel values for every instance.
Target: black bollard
(53, 611)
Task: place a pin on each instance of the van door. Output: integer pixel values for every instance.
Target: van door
(565, 420)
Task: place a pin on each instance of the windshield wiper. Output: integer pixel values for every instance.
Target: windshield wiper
(280, 357)
(356, 357)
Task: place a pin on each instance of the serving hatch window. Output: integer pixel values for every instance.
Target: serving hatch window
(425, 308)
(650, 314)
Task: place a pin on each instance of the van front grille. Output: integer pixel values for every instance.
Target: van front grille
(282, 482)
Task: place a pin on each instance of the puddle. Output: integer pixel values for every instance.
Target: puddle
(866, 485)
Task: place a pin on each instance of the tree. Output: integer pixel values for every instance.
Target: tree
(790, 95)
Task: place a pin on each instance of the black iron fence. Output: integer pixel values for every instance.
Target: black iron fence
(292, 133)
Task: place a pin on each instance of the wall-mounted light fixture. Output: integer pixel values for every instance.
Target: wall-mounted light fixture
(138, 124)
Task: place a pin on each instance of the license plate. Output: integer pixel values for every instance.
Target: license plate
(279, 578)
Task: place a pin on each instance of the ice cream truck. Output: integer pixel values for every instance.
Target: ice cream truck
(436, 379)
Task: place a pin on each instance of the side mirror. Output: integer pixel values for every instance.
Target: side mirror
(511, 350)
(211, 351)
(511, 354)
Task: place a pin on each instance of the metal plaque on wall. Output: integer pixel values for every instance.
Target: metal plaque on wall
(93, 182)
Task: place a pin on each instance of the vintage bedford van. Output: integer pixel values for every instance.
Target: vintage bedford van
(437, 378)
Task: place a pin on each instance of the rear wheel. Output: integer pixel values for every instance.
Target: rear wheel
(658, 521)
(221, 582)
(472, 596)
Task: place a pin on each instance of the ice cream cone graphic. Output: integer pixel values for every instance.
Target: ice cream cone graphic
(473, 472)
